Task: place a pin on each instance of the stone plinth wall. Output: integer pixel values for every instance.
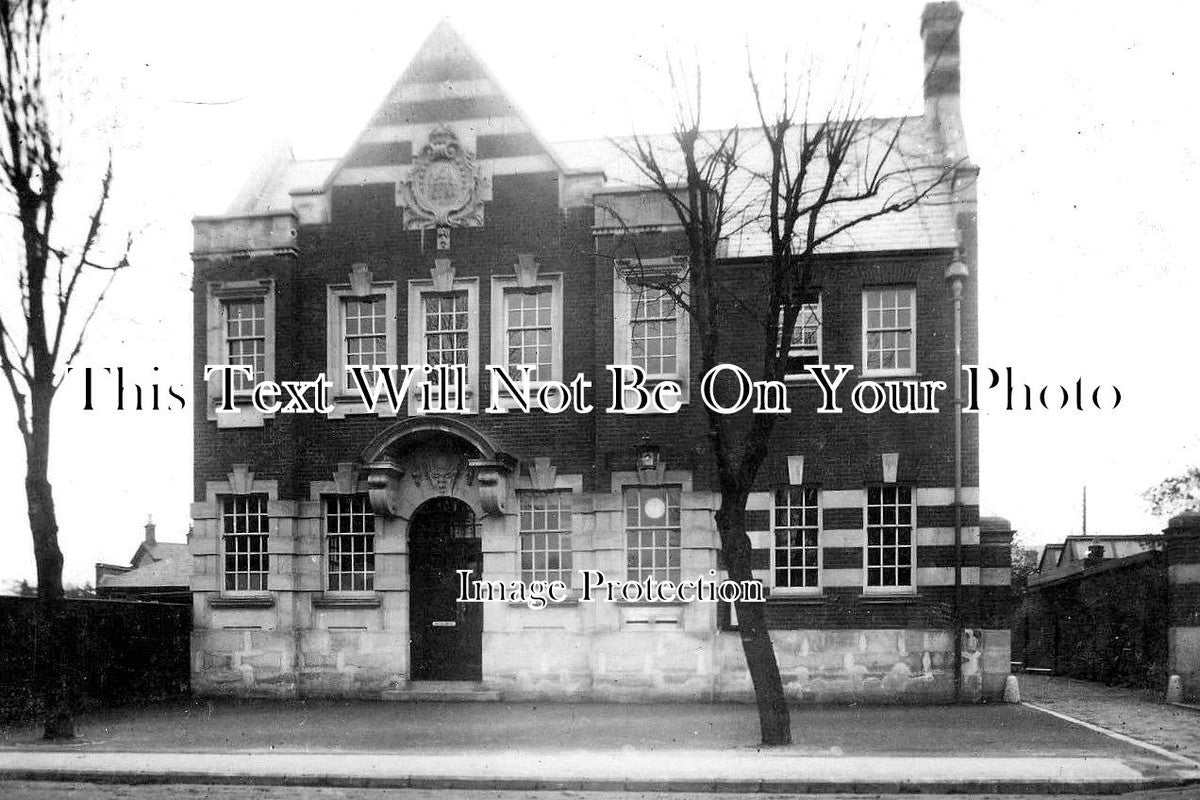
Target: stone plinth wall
(1183, 578)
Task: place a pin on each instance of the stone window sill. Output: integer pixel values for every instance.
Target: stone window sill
(894, 599)
(247, 601)
(796, 599)
(328, 601)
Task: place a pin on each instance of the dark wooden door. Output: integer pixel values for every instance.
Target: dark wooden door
(447, 636)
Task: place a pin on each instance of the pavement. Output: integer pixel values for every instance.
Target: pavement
(597, 747)
(1133, 712)
(25, 790)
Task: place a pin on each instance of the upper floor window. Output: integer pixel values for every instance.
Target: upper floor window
(241, 332)
(443, 329)
(361, 332)
(890, 541)
(805, 346)
(445, 320)
(246, 339)
(654, 331)
(528, 328)
(889, 331)
(527, 325)
(245, 527)
(365, 331)
(651, 326)
(350, 543)
(796, 554)
(652, 533)
(545, 519)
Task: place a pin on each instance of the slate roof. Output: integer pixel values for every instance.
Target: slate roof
(926, 226)
(1068, 558)
(929, 225)
(169, 564)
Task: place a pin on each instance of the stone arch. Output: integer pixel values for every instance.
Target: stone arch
(425, 457)
(416, 427)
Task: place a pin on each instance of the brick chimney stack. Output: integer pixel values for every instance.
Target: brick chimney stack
(940, 23)
(150, 531)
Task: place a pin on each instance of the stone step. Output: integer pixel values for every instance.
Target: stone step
(442, 691)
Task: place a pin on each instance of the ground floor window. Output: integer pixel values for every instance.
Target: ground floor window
(350, 543)
(245, 525)
(797, 529)
(889, 537)
(652, 533)
(545, 536)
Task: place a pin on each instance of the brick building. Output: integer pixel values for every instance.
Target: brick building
(1122, 609)
(325, 545)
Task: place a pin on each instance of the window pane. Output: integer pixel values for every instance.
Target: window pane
(350, 542)
(245, 525)
(545, 535)
(245, 339)
(889, 536)
(796, 535)
(653, 532)
(888, 337)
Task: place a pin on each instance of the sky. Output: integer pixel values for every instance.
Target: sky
(1080, 115)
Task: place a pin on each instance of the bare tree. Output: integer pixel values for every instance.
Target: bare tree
(803, 179)
(1025, 559)
(39, 340)
(1175, 494)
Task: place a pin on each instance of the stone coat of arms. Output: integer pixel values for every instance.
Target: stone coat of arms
(445, 186)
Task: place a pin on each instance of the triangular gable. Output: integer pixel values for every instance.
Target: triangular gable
(446, 86)
(1050, 556)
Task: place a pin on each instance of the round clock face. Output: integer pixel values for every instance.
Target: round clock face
(655, 508)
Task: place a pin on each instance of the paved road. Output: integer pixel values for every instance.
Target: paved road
(1136, 713)
(359, 726)
(87, 791)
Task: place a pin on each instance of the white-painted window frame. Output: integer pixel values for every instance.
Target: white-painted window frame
(793, 350)
(565, 499)
(777, 589)
(673, 573)
(327, 535)
(911, 587)
(623, 273)
(912, 328)
(417, 290)
(225, 536)
(220, 295)
(335, 350)
(504, 285)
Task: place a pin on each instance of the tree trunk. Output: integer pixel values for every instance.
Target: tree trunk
(774, 718)
(53, 634)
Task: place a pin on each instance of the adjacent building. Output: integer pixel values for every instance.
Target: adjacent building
(159, 571)
(326, 545)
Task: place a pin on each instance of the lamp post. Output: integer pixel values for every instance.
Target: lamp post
(956, 273)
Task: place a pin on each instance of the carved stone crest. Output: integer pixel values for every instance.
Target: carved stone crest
(445, 186)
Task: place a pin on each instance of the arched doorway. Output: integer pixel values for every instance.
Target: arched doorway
(446, 635)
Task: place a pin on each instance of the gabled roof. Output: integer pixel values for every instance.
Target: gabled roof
(1050, 557)
(447, 83)
(1069, 558)
(168, 564)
